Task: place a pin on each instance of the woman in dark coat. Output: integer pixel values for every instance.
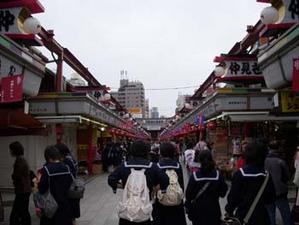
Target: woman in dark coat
(56, 176)
(22, 184)
(246, 184)
(205, 210)
(169, 215)
(138, 160)
(69, 160)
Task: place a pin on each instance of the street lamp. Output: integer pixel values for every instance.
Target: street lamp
(269, 15)
(107, 97)
(32, 26)
(219, 71)
(102, 129)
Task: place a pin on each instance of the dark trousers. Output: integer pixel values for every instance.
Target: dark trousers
(20, 213)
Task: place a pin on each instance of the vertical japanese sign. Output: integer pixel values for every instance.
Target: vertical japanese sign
(295, 82)
(12, 89)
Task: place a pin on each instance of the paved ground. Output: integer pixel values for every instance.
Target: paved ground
(97, 208)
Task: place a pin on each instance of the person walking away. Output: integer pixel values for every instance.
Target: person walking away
(139, 177)
(169, 207)
(68, 159)
(295, 209)
(22, 185)
(246, 184)
(189, 155)
(105, 154)
(204, 189)
(280, 174)
(56, 177)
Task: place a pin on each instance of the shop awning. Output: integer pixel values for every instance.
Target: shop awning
(256, 117)
(68, 119)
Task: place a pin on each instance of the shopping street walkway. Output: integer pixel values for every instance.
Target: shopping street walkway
(97, 208)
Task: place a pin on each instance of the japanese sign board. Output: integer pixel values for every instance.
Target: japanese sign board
(9, 20)
(295, 84)
(238, 68)
(12, 89)
(289, 102)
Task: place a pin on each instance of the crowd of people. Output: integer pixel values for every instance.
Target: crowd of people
(154, 192)
(152, 180)
(55, 177)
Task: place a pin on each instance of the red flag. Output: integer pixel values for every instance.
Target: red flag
(12, 89)
(295, 85)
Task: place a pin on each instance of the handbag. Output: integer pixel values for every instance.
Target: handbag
(77, 188)
(46, 202)
(295, 211)
(235, 221)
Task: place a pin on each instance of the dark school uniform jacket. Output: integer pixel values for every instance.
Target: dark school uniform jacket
(245, 185)
(57, 176)
(154, 176)
(206, 207)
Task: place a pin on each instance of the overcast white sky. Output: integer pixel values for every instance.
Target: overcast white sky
(162, 43)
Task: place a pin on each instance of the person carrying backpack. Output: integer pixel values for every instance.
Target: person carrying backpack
(68, 160)
(169, 207)
(204, 189)
(139, 177)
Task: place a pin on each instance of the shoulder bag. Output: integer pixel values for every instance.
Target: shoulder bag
(235, 221)
(46, 201)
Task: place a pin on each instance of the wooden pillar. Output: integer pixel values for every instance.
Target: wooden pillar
(59, 74)
(59, 132)
(90, 152)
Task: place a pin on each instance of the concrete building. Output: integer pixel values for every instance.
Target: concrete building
(131, 96)
(146, 109)
(154, 112)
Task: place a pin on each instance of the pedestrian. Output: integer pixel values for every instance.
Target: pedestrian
(247, 182)
(22, 185)
(295, 209)
(280, 174)
(189, 155)
(204, 189)
(56, 177)
(169, 207)
(139, 177)
(68, 159)
(105, 158)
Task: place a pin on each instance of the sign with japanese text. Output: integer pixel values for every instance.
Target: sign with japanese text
(295, 82)
(237, 68)
(12, 89)
(289, 102)
(9, 20)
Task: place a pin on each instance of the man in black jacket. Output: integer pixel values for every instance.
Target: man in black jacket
(279, 172)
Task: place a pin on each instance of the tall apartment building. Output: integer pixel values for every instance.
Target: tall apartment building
(154, 112)
(131, 96)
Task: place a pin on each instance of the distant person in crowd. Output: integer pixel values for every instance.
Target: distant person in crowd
(280, 174)
(22, 185)
(56, 176)
(139, 177)
(241, 159)
(169, 207)
(105, 156)
(115, 155)
(204, 189)
(201, 145)
(155, 153)
(296, 166)
(189, 155)
(246, 184)
(69, 160)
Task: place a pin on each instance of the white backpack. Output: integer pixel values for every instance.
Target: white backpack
(135, 205)
(174, 193)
